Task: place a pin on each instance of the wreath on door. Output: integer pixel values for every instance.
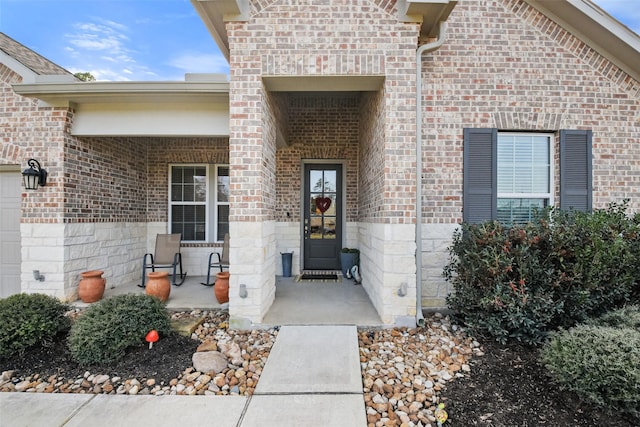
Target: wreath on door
(323, 204)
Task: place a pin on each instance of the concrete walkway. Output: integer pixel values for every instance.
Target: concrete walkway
(311, 378)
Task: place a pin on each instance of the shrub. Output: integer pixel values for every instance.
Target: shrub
(29, 319)
(594, 254)
(501, 280)
(105, 331)
(522, 281)
(601, 364)
(627, 317)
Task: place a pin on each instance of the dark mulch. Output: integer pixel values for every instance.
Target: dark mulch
(509, 387)
(168, 358)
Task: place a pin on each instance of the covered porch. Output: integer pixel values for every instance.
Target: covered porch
(296, 303)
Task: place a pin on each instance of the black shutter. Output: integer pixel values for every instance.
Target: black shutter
(479, 202)
(575, 170)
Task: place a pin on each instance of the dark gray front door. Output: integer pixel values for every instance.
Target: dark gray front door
(322, 216)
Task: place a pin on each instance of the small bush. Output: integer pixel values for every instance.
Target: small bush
(519, 282)
(627, 317)
(29, 319)
(601, 364)
(105, 331)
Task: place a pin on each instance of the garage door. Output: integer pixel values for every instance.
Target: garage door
(10, 188)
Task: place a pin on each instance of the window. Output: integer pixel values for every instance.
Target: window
(508, 175)
(195, 210)
(524, 176)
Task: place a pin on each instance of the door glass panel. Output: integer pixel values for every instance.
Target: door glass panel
(329, 230)
(315, 181)
(329, 181)
(322, 204)
(316, 227)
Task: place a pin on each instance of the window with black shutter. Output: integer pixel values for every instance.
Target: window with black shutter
(508, 176)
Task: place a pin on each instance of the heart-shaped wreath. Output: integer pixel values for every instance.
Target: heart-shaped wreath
(323, 203)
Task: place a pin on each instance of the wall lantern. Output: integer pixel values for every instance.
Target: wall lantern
(34, 175)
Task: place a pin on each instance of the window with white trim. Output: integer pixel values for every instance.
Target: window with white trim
(199, 201)
(524, 176)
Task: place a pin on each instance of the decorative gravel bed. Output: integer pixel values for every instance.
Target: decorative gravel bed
(405, 374)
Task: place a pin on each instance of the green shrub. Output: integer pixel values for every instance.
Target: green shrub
(627, 317)
(501, 280)
(29, 319)
(105, 331)
(519, 282)
(595, 256)
(601, 364)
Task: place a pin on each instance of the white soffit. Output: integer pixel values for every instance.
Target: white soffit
(596, 28)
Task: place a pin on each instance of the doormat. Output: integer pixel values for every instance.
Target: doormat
(317, 277)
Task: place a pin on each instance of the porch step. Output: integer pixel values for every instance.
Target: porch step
(311, 378)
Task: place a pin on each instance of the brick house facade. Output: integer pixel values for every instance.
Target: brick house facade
(334, 83)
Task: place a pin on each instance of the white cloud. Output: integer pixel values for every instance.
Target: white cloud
(196, 62)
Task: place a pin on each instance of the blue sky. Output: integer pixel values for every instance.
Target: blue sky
(144, 39)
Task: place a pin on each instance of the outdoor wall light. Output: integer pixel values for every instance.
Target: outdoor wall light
(402, 290)
(34, 175)
(243, 291)
(36, 275)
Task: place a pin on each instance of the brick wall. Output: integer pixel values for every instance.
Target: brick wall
(505, 65)
(371, 194)
(337, 38)
(160, 152)
(105, 180)
(320, 127)
(29, 131)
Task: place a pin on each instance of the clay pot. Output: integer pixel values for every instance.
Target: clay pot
(91, 286)
(158, 285)
(221, 288)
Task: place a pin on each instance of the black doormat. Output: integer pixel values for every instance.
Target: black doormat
(319, 277)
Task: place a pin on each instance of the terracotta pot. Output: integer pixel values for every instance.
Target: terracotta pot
(91, 286)
(221, 288)
(158, 285)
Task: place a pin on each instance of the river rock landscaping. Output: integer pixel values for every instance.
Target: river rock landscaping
(406, 373)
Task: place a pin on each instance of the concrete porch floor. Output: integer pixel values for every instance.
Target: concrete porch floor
(296, 303)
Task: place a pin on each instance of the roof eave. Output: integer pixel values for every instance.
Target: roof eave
(215, 13)
(62, 94)
(428, 12)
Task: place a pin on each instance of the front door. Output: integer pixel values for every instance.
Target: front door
(322, 216)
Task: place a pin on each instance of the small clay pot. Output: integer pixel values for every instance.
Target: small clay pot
(221, 288)
(91, 286)
(158, 285)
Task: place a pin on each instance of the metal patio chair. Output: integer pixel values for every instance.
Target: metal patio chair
(167, 255)
(221, 261)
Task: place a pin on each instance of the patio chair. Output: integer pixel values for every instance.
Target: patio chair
(221, 261)
(167, 255)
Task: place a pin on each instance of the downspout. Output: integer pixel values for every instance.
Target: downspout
(425, 48)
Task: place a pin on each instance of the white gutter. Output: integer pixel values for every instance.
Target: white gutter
(425, 48)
